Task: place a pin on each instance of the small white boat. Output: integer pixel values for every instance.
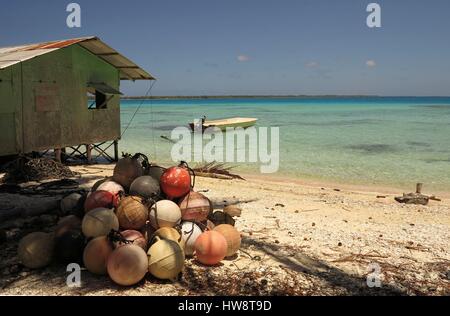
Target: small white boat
(223, 124)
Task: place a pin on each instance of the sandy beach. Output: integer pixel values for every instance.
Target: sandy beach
(299, 238)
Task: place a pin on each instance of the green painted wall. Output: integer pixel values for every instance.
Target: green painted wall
(10, 110)
(43, 102)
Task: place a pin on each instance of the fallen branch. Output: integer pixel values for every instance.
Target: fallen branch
(216, 170)
(213, 175)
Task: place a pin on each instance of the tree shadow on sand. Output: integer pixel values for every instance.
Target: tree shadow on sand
(302, 275)
(302, 263)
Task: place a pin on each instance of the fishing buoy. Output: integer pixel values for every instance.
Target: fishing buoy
(127, 265)
(232, 236)
(69, 246)
(211, 248)
(170, 234)
(195, 207)
(176, 182)
(190, 232)
(112, 187)
(99, 222)
(67, 223)
(96, 254)
(146, 187)
(165, 259)
(219, 218)
(155, 172)
(134, 237)
(99, 199)
(71, 203)
(132, 213)
(36, 250)
(164, 213)
(127, 170)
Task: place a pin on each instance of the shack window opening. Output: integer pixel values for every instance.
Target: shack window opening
(100, 100)
(99, 94)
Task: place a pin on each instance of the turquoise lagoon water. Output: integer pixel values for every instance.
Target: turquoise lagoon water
(376, 141)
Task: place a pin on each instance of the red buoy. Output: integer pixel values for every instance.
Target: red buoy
(99, 199)
(176, 182)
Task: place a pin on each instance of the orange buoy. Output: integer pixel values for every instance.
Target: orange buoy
(134, 237)
(127, 265)
(195, 207)
(211, 248)
(232, 236)
(100, 199)
(176, 182)
(132, 213)
(96, 254)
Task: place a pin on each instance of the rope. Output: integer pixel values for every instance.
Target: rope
(139, 107)
(191, 171)
(116, 236)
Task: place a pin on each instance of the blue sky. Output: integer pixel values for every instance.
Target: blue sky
(210, 47)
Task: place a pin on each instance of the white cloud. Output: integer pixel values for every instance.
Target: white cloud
(243, 58)
(371, 63)
(312, 64)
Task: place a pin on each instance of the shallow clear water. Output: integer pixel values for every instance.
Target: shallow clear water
(384, 141)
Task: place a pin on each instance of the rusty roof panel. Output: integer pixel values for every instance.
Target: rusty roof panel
(129, 71)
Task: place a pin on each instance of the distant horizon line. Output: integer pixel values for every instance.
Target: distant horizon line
(274, 96)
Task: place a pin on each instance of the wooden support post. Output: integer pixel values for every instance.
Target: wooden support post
(58, 154)
(116, 150)
(89, 153)
(419, 188)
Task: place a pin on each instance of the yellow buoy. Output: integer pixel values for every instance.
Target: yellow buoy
(99, 222)
(170, 234)
(232, 236)
(96, 254)
(36, 250)
(165, 259)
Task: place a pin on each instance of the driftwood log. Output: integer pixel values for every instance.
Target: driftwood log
(416, 197)
(16, 205)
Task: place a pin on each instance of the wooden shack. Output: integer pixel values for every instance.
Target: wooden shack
(44, 95)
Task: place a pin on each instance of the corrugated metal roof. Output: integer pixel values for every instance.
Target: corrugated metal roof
(128, 70)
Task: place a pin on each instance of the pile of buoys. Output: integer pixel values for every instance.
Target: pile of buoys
(144, 219)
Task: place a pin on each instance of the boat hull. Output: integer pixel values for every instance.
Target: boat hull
(227, 123)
